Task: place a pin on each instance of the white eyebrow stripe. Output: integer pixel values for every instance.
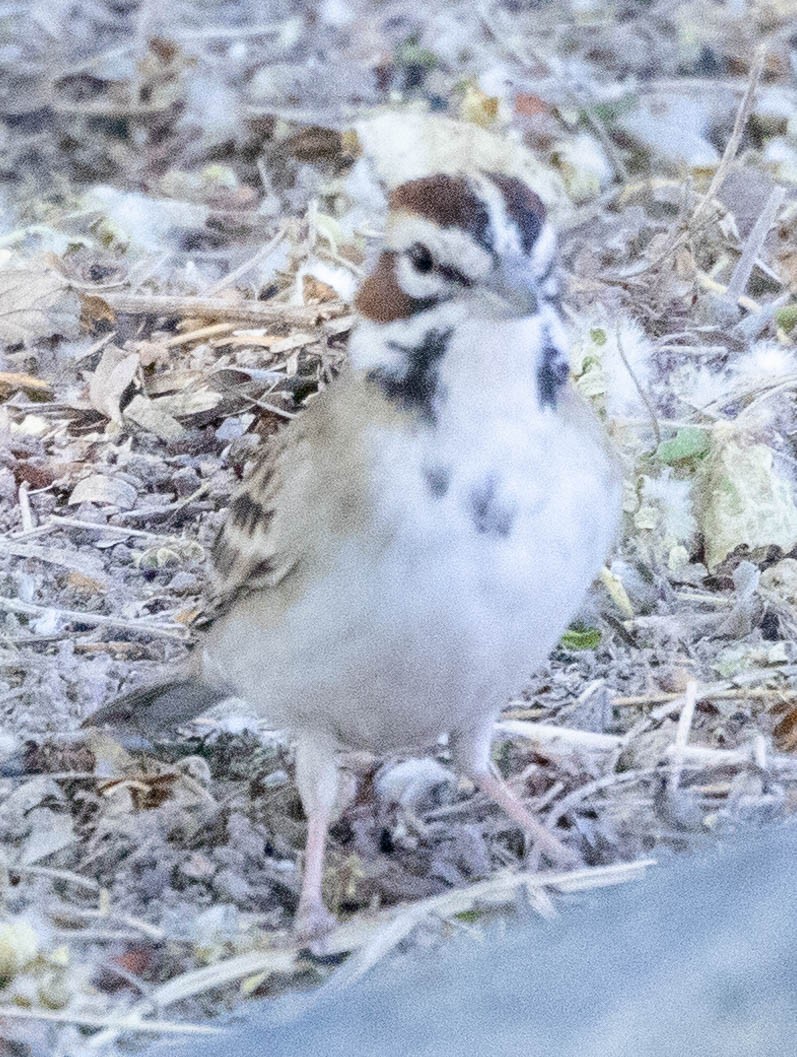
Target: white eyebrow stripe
(506, 237)
(449, 245)
(544, 251)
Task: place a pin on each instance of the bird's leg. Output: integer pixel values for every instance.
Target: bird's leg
(471, 754)
(317, 778)
(500, 793)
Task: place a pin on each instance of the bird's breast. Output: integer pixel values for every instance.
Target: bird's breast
(474, 554)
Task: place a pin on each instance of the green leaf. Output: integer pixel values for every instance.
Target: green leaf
(598, 336)
(688, 443)
(411, 53)
(786, 318)
(581, 639)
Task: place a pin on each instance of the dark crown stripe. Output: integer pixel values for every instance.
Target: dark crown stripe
(523, 207)
(449, 201)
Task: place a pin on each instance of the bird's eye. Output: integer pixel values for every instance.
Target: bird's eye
(421, 258)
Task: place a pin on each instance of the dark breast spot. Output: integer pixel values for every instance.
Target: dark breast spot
(415, 381)
(438, 479)
(552, 374)
(523, 207)
(489, 515)
(449, 201)
(247, 514)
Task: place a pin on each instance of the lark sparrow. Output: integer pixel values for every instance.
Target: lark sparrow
(411, 548)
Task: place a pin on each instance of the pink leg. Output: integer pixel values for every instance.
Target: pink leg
(471, 754)
(312, 917)
(317, 778)
(500, 793)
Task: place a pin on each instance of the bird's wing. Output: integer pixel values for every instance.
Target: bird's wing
(249, 553)
(308, 487)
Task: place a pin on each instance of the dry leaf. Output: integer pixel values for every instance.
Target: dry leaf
(51, 831)
(314, 290)
(87, 584)
(747, 501)
(104, 491)
(190, 402)
(10, 381)
(401, 145)
(95, 309)
(173, 382)
(114, 374)
(149, 416)
(478, 107)
(19, 945)
(36, 303)
(617, 592)
(781, 579)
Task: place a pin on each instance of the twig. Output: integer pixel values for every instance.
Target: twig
(678, 238)
(25, 512)
(113, 1023)
(168, 509)
(221, 309)
(597, 126)
(502, 886)
(643, 396)
(735, 139)
(589, 789)
(212, 331)
(755, 240)
(708, 282)
(195, 982)
(56, 520)
(568, 736)
(153, 932)
(247, 265)
(54, 874)
(682, 732)
(243, 32)
(697, 755)
(53, 556)
(143, 627)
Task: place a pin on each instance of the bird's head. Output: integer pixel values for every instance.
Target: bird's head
(460, 250)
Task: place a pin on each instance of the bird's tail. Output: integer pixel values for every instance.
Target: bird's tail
(166, 704)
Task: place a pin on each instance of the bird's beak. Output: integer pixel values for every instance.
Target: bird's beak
(512, 284)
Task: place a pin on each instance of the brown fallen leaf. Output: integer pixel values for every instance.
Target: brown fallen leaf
(314, 290)
(36, 303)
(94, 309)
(87, 584)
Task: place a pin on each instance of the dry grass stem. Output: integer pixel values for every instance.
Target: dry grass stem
(115, 1024)
(735, 138)
(755, 241)
(241, 312)
(71, 616)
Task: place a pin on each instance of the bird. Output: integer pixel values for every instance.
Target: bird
(408, 550)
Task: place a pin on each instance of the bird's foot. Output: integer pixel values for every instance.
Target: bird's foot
(313, 921)
(558, 854)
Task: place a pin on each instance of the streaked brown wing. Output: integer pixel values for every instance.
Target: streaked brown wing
(247, 555)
